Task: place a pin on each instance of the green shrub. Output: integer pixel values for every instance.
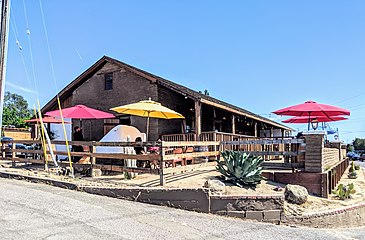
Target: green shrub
(352, 167)
(352, 175)
(242, 169)
(344, 192)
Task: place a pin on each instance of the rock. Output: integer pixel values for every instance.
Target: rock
(96, 172)
(295, 194)
(278, 189)
(215, 186)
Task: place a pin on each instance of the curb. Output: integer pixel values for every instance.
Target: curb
(350, 216)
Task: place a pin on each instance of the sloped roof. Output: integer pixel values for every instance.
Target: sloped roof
(161, 81)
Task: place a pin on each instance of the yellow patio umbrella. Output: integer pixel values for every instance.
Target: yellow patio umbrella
(148, 109)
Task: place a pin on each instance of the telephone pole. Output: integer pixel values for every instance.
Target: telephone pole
(4, 32)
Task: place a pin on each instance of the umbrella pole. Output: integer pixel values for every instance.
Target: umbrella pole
(148, 123)
(309, 120)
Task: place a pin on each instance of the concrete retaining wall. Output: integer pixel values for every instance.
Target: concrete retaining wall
(353, 216)
(260, 208)
(189, 199)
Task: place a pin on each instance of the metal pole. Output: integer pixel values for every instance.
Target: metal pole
(4, 33)
(148, 123)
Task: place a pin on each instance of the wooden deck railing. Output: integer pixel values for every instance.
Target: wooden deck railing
(179, 137)
(96, 159)
(335, 173)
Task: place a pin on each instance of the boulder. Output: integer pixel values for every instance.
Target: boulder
(295, 194)
(215, 186)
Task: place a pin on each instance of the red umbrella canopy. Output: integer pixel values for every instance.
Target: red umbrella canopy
(319, 119)
(46, 119)
(311, 108)
(80, 112)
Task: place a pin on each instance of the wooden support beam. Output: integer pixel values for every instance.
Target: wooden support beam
(233, 124)
(198, 110)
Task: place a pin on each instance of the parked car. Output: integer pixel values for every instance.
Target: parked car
(353, 155)
(5, 141)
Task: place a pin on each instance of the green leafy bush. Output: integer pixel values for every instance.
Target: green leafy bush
(352, 175)
(242, 169)
(352, 167)
(344, 192)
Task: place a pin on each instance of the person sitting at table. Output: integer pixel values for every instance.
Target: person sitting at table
(138, 147)
(77, 136)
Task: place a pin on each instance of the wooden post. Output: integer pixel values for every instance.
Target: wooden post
(93, 159)
(198, 110)
(162, 154)
(3, 150)
(233, 124)
(255, 129)
(215, 140)
(13, 153)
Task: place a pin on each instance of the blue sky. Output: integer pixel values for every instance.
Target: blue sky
(259, 55)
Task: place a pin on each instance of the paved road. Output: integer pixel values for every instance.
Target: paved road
(362, 164)
(37, 211)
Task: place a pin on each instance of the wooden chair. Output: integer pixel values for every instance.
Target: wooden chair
(189, 150)
(173, 162)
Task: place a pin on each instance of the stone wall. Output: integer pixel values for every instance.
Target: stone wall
(315, 183)
(330, 157)
(260, 208)
(314, 152)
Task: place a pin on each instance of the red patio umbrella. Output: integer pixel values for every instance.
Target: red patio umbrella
(46, 119)
(319, 119)
(311, 108)
(81, 112)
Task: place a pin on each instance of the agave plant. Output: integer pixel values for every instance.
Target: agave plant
(240, 168)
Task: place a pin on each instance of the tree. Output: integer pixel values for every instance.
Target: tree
(359, 144)
(15, 110)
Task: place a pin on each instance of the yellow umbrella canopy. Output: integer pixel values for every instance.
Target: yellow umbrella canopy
(148, 109)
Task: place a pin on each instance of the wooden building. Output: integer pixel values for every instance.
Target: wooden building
(110, 83)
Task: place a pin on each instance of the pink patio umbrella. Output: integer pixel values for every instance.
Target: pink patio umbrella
(46, 119)
(311, 108)
(80, 112)
(319, 119)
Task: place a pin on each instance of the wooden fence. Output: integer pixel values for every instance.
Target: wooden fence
(157, 160)
(289, 151)
(335, 173)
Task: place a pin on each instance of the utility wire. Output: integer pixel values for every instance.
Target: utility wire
(20, 48)
(30, 48)
(55, 82)
(349, 98)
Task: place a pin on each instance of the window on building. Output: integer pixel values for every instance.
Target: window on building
(108, 81)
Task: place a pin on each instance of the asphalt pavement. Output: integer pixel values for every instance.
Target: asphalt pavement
(39, 211)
